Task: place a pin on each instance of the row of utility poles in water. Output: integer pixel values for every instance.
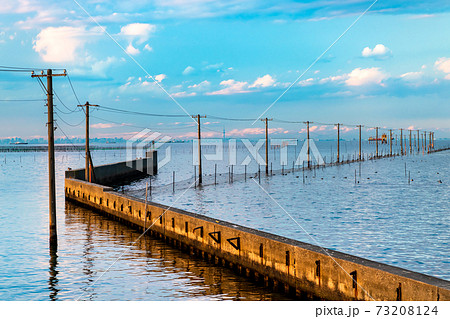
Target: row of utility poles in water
(377, 139)
(89, 171)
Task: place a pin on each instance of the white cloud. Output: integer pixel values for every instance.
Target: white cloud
(132, 50)
(411, 76)
(100, 67)
(183, 94)
(263, 82)
(160, 77)
(189, 69)
(105, 125)
(359, 77)
(306, 82)
(378, 51)
(148, 48)
(231, 87)
(60, 44)
(443, 64)
(335, 78)
(200, 86)
(139, 31)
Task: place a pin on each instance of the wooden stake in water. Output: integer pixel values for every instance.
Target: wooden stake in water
(355, 176)
(145, 207)
(303, 169)
(405, 169)
(173, 181)
(409, 177)
(245, 172)
(215, 174)
(259, 173)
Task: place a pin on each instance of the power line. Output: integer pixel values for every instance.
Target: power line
(70, 110)
(228, 119)
(73, 125)
(73, 90)
(31, 100)
(70, 141)
(111, 109)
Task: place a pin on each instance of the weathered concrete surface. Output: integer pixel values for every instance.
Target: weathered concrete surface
(121, 172)
(305, 269)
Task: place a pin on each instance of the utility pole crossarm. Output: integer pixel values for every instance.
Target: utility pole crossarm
(43, 75)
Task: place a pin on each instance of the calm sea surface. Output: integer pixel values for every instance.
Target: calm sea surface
(382, 218)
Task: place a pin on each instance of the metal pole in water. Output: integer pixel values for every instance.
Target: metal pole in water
(215, 174)
(409, 177)
(405, 169)
(173, 181)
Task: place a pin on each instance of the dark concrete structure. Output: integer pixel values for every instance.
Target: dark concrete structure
(121, 172)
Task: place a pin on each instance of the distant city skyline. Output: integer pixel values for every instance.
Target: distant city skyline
(229, 59)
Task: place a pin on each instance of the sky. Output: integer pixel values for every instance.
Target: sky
(229, 59)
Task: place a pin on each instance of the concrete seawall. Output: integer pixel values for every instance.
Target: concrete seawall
(301, 268)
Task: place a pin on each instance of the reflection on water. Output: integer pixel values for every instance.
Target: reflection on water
(53, 274)
(366, 217)
(150, 269)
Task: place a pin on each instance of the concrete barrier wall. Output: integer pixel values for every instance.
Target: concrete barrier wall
(299, 267)
(121, 172)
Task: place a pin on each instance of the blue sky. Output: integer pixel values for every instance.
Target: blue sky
(229, 59)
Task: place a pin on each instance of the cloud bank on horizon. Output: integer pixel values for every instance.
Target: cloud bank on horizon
(233, 59)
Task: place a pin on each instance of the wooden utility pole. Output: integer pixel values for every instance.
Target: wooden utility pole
(51, 154)
(432, 141)
(401, 140)
(308, 151)
(418, 141)
(424, 140)
(410, 141)
(266, 120)
(338, 142)
(376, 141)
(198, 117)
(429, 142)
(360, 144)
(390, 142)
(89, 168)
